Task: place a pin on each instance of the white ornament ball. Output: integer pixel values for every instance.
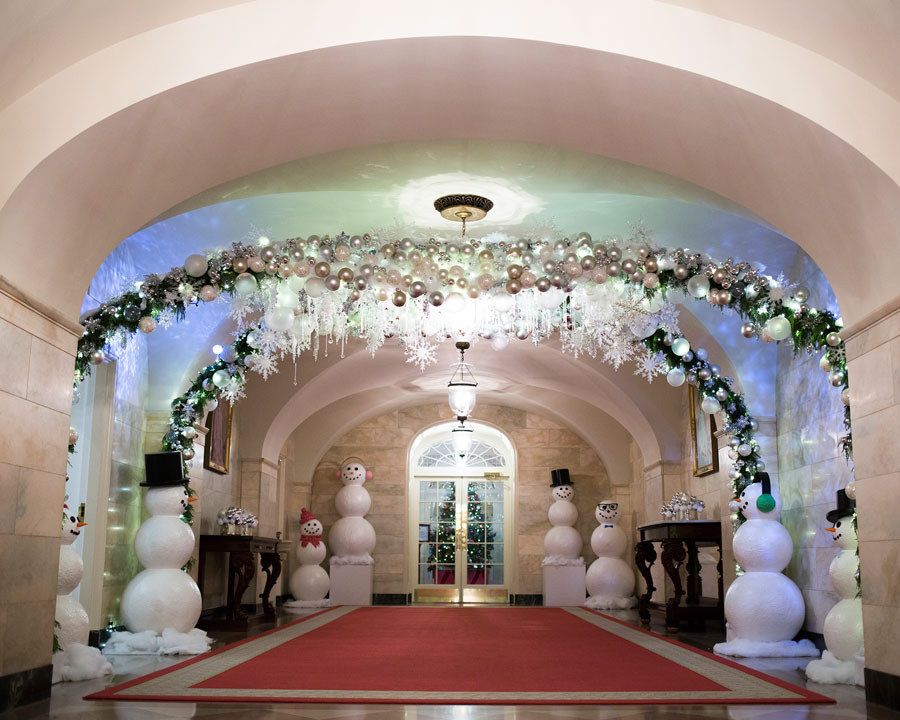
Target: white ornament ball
(309, 582)
(778, 327)
(74, 624)
(147, 324)
(609, 541)
(698, 286)
(73, 436)
(562, 542)
(681, 346)
(843, 629)
(764, 607)
(220, 378)
(245, 284)
(315, 287)
(675, 377)
(352, 536)
(850, 490)
(280, 318)
(159, 599)
(196, 265)
(562, 514)
(710, 405)
(164, 541)
(609, 576)
(352, 501)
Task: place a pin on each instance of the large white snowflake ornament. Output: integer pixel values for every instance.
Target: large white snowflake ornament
(421, 353)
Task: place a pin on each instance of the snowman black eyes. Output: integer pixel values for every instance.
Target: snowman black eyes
(838, 523)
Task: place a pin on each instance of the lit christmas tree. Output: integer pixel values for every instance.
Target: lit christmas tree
(479, 537)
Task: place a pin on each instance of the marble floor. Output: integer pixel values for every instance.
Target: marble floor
(66, 699)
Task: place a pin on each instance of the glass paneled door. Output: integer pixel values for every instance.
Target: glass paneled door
(462, 539)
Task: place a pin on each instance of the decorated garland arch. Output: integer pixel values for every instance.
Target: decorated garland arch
(617, 299)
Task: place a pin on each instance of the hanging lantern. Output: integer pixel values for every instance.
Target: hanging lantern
(462, 439)
(461, 388)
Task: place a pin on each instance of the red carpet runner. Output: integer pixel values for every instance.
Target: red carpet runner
(460, 655)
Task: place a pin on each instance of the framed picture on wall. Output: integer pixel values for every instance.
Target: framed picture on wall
(218, 440)
(705, 448)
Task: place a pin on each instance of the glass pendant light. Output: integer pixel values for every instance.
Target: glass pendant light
(461, 388)
(462, 439)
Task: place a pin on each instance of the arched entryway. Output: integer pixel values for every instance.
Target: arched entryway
(461, 516)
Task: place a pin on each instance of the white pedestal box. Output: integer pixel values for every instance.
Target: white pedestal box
(351, 585)
(564, 585)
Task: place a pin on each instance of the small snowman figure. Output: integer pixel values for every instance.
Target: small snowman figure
(74, 625)
(562, 543)
(609, 579)
(763, 607)
(843, 624)
(309, 582)
(163, 595)
(352, 537)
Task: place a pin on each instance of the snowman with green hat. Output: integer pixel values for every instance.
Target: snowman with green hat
(763, 607)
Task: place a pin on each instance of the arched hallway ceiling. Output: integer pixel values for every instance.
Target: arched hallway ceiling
(393, 186)
(195, 103)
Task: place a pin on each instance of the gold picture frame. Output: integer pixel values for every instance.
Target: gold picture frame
(704, 446)
(217, 450)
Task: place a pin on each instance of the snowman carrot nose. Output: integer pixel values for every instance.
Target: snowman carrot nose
(80, 524)
(831, 529)
(193, 499)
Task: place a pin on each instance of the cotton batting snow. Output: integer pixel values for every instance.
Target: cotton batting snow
(610, 602)
(832, 671)
(79, 662)
(296, 606)
(365, 559)
(560, 560)
(171, 642)
(754, 648)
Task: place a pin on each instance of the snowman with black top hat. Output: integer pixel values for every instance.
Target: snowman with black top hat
(562, 543)
(843, 624)
(763, 607)
(163, 596)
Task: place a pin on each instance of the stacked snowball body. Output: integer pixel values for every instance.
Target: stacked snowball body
(352, 537)
(562, 543)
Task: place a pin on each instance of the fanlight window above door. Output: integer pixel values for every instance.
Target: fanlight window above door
(441, 454)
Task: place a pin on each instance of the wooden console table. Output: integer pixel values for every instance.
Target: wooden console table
(241, 552)
(680, 541)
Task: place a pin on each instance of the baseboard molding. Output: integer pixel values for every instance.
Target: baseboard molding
(531, 600)
(883, 688)
(391, 599)
(25, 687)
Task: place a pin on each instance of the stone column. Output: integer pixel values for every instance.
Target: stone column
(873, 352)
(259, 495)
(36, 366)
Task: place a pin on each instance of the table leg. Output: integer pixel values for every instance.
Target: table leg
(694, 582)
(242, 569)
(271, 566)
(644, 557)
(673, 555)
(721, 589)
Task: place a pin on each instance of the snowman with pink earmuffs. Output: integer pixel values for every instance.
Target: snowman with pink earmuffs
(352, 537)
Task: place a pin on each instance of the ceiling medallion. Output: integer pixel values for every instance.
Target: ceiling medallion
(463, 208)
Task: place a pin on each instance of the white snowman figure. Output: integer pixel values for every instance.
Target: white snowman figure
(763, 607)
(609, 579)
(843, 624)
(74, 625)
(309, 582)
(163, 595)
(352, 537)
(562, 543)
